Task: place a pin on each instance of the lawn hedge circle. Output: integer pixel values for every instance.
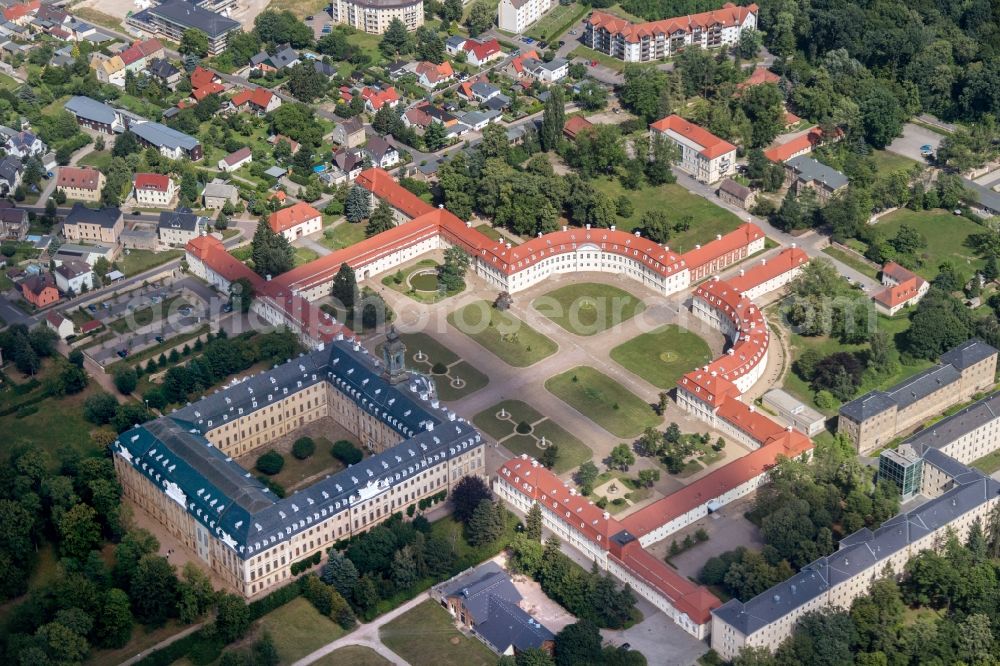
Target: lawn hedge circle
(439, 368)
(523, 428)
(668, 356)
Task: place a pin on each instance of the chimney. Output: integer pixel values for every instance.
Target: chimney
(613, 227)
(697, 246)
(509, 246)
(763, 262)
(468, 225)
(607, 515)
(794, 246)
(588, 226)
(742, 272)
(268, 278)
(718, 236)
(564, 227)
(752, 408)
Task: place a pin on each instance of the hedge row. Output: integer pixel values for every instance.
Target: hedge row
(306, 564)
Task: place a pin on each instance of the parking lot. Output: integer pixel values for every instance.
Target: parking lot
(914, 137)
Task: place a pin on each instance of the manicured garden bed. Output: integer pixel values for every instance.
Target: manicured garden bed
(663, 356)
(502, 333)
(604, 401)
(588, 308)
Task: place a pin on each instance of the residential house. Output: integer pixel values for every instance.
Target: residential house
(349, 133)
(256, 100)
(201, 77)
(736, 194)
(199, 94)
(515, 16)
(80, 183)
(574, 125)
(165, 72)
(703, 155)
(381, 153)
(759, 76)
(61, 326)
(479, 53)
(74, 277)
(477, 120)
(485, 602)
(218, 192)
(39, 290)
(108, 69)
(483, 91)
(429, 75)
(299, 219)
(97, 225)
(139, 53)
(90, 254)
(13, 224)
(903, 288)
(234, 161)
(154, 190)
(293, 145)
(284, 57)
(168, 141)
(11, 171)
(804, 172)
(177, 227)
(23, 144)
(375, 98)
(350, 162)
(324, 68)
(453, 45)
(21, 13)
(546, 72)
(515, 68)
(800, 145)
(421, 116)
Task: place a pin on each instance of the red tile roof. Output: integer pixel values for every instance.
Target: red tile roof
(433, 72)
(238, 156)
(131, 55)
(152, 181)
(294, 215)
(898, 294)
(377, 97)
(212, 252)
(694, 600)
(15, 12)
(729, 15)
(518, 61)
(741, 237)
(91, 325)
(759, 76)
(482, 50)
(576, 124)
(150, 46)
(213, 88)
(259, 97)
(381, 183)
(78, 177)
(787, 260)
(201, 77)
(798, 146)
(711, 145)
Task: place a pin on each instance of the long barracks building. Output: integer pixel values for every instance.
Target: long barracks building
(180, 468)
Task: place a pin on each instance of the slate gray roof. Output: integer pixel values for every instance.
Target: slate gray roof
(178, 219)
(163, 136)
(91, 109)
(10, 167)
(507, 624)
(961, 423)
(484, 582)
(905, 393)
(484, 89)
(190, 15)
(731, 187)
(106, 217)
(220, 189)
(984, 195)
(859, 552)
(454, 42)
(276, 172)
(285, 56)
(809, 170)
(173, 453)
(968, 354)
(162, 68)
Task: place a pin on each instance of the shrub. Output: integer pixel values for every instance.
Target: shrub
(346, 452)
(303, 448)
(523, 427)
(270, 463)
(439, 368)
(27, 410)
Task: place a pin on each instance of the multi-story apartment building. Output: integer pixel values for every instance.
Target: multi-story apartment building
(877, 417)
(154, 190)
(374, 16)
(961, 496)
(80, 183)
(171, 143)
(644, 42)
(180, 468)
(171, 18)
(178, 227)
(517, 15)
(703, 155)
(101, 225)
(803, 173)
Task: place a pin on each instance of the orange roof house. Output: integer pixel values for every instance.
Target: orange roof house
(201, 77)
(759, 76)
(19, 13)
(213, 88)
(800, 145)
(296, 220)
(574, 125)
(432, 74)
(375, 99)
(40, 290)
(711, 145)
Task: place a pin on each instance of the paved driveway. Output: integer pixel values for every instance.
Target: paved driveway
(913, 137)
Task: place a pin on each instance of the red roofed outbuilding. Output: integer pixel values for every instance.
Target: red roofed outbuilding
(299, 219)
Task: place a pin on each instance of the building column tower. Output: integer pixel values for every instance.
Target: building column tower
(394, 355)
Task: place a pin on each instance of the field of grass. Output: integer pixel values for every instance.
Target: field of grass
(662, 356)
(8, 82)
(988, 463)
(490, 232)
(139, 261)
(588, 308)
(707, 219)
(559, 19)
(419, 282)
(887, 162)
(589, 54)
(852, 261)
(604, 401)
(426, 636)
(434, 352)
(99, 159)
(303, 255)
(946, 235)
(92, 15)
(298, 629)
(353, 655)
(572, 452)
(300, 8)
(502, 333)
(343, 235)
(296, 471)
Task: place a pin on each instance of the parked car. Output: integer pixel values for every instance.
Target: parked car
(527, 40)
(159, 338)
(92, 308)
(122, 353)
(593, 63)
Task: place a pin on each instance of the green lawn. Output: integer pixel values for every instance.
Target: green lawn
(707, 219)
(426, 636)
(8, 82)
(298, 629)
(419, 282)
(589, 54)
(296, 471)
(988, 463)
(604, 401)
(572, 452)
(490, 232)
(342, 235)
(559, 19)
(502, 333)
(588, 308)
(300, 8)
(461, 379)
(303, 255)
(353, 655)
(661, 357)
(946, 235)
(851, 260)
(887, 162)
(139, 261)
(99, 159)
